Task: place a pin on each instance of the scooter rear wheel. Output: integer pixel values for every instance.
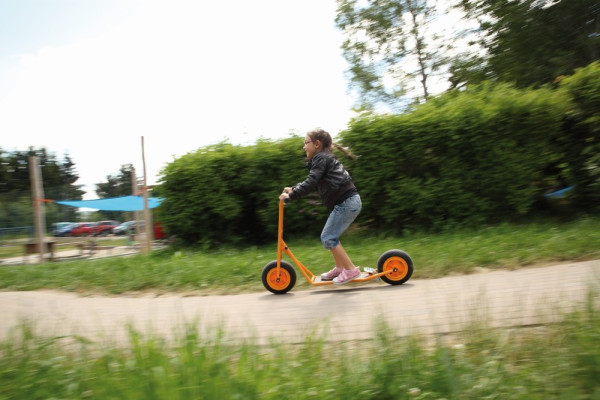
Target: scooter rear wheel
(279, 283)
(399, 265)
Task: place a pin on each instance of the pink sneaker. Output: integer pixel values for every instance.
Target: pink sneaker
(327, 276)
(346, 276)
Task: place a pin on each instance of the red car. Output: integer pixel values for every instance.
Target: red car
(83, 229)
(159, 233)
(105, 227)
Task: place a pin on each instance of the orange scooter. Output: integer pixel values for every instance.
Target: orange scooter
(278, 276)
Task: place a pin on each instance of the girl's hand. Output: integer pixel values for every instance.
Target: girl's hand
(287, 190)
(283, 196)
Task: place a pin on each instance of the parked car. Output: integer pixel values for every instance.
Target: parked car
(83, 229)
(159, 233)
(58, 225)
(62, 228)
(105, 227)
(127, 226)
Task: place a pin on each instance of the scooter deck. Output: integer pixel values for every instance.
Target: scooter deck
(361, 278)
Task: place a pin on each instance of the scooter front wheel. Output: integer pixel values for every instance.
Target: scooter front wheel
(398, 264)
(279, 283)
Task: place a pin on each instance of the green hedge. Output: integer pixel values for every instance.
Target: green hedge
(579, 140)
(462, 158)
(229, 194)
(484, 155)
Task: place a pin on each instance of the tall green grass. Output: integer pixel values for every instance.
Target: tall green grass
(231, 270)
(560, 361)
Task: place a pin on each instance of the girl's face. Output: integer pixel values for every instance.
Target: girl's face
(311, 147)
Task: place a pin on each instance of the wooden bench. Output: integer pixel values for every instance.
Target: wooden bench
(32, 248)
(89, 246)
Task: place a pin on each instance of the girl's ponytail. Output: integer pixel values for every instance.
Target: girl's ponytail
(344, 150)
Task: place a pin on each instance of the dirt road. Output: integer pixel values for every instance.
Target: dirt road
(499, 298)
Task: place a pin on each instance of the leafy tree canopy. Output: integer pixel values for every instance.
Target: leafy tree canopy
(119, 184)
(58, 177)
(530, 42)
(393, 48)
(396, 46)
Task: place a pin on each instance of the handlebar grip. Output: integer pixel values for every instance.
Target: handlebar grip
(286, 200)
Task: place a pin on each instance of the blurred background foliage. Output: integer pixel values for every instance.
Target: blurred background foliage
(229, 194)
(15, 186)
(520, 120)
(487, 154)
(399, 50)
(60, 178)
(531, 42)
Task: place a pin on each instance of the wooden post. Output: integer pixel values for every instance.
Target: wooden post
(147, 216)
(134, 191)
(37, 195)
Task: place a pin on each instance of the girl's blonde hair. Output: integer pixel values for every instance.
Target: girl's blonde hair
(325, 138)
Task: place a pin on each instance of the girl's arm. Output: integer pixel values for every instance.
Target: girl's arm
(309, 185)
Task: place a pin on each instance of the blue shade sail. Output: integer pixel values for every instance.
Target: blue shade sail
(124, 203)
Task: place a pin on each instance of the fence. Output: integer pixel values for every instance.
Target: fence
(16, 233)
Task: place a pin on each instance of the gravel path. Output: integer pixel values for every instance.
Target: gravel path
(523, 297)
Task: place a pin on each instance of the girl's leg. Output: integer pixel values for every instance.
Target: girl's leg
(341, 258)
(339, 220)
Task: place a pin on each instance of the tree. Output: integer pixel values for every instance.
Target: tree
(115, 186)
(530, 42)
(393, 48)
(59, 179)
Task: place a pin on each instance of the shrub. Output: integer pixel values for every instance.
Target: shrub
(229, 194)
(463, 158)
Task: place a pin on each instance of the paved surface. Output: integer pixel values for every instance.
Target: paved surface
(64, 255)
(523, 297)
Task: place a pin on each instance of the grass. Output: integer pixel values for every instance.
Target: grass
(555, 361)
(560, 361)
(231, 270)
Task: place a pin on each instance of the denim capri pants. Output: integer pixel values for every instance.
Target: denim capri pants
(339, 220)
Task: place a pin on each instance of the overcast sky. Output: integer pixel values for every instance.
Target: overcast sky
(89, 78)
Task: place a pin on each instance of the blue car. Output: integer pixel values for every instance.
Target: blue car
(63, 229)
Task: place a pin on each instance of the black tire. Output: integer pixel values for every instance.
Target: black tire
(398, 263)
(279, 284)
